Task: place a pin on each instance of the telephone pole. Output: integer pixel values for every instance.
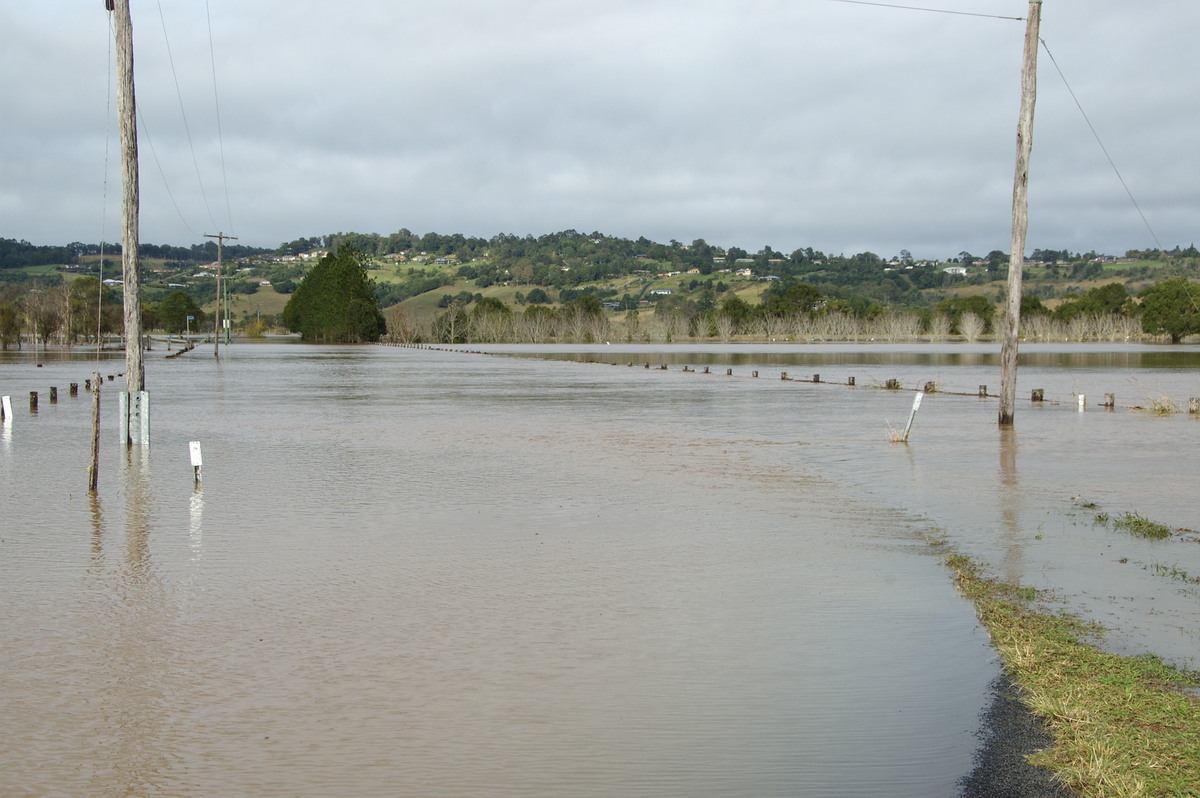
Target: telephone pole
(218, 326)
(135, 374)
(1020, 218)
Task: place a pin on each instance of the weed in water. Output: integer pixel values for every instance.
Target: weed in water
(1141, 527)
(1174, 572)
(1161, 406)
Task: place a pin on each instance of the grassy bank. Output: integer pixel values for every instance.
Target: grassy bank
(1123, 726)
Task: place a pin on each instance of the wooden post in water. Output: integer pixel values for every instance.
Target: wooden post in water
(1020, 218)
(94, 468)
(33, 401)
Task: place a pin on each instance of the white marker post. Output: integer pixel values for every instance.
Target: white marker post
(197, 460)
(912, 415)
(5, 409)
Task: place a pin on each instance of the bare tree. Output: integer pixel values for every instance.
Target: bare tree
(971, 326)
(939, 327)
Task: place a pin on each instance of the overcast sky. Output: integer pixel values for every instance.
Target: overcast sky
(790, 123)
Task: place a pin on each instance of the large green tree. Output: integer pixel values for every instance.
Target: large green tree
(336, 301)
(174, 310)
(1172, 308)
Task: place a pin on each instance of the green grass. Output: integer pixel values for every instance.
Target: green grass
(1141, 527)
(1123, 726)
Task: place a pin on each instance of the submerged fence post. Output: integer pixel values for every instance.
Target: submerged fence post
(851, 382)
(1082, 402)
(912, 415)
(5, 409)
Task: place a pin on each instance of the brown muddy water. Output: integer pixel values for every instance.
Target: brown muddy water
(431, 573)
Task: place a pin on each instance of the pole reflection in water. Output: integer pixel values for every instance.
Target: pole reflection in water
(97, 514)
(1009, 494)
(134, 674)
(196, 514)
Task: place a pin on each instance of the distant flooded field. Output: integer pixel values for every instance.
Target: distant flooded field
(440, 573)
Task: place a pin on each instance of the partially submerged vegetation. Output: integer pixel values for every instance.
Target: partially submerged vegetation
(1141, 527)
(1123, 726)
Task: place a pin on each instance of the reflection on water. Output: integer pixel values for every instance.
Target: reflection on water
(1010, 515)
(196, 514)
(412, 572)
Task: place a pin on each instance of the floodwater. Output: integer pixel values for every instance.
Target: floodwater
(414, 572)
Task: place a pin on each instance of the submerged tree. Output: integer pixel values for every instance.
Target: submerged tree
(174, 310)
(1172, 308)
(336, 301)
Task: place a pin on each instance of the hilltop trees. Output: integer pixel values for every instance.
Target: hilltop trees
(336, 301)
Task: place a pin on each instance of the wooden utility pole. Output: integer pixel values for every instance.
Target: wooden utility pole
(135, 374)
(218, 327)
(1020, 218)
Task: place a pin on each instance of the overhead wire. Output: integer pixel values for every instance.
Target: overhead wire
(144, 131)
(930, 10)
(1103, 149)
(183, 114)
(110, 36)
(217, 106)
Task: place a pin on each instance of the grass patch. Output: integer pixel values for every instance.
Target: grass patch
(1141, 527)
(1160, 406)
(1123, 726)
(1175, 572)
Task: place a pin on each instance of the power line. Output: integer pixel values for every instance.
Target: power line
(217, 105)
(183, 114)
(930, 10)
(108, 68)
(1103, 149)
(144, 130)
